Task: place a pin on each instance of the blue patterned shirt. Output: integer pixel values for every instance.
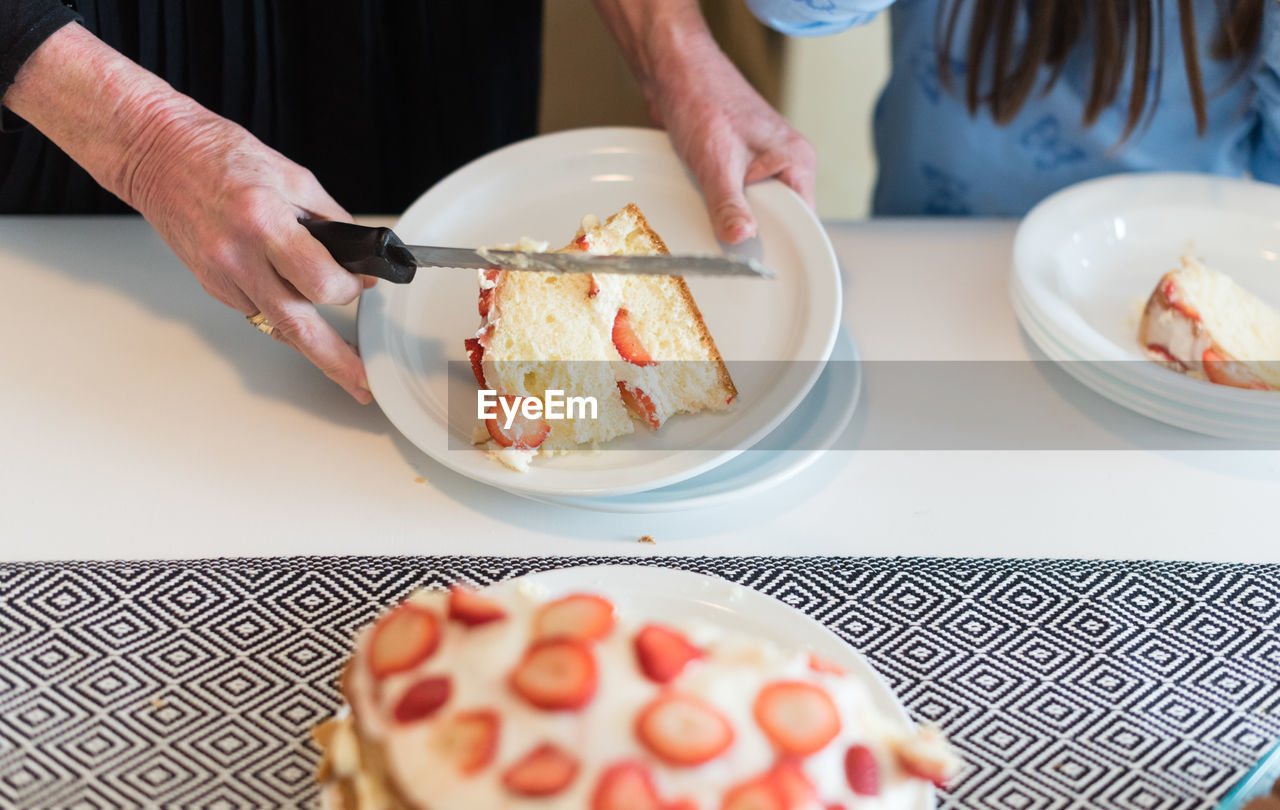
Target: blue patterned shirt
(936, 158)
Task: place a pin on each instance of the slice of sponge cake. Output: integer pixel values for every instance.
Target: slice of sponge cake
(1200, 322)
(636, 344)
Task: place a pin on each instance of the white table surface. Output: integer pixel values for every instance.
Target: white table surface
(141, 419)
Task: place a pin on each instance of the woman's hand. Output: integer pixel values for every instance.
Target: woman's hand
(725, 132)
(229, 206)
(225, 203)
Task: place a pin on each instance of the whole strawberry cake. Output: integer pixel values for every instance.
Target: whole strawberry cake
(463, 700)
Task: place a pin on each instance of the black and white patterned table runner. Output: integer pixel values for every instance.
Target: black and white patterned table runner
(1070, 684)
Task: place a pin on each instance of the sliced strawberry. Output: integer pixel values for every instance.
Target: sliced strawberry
(796, 789)
(544, 771)
(582, 244)
(470, 739)
(663, 653)
(402, 639)
(422, 700)
(926, 756)
(799, 718)
(683, 730)
(755, 794)
(582, 616)
(1171, 295)
(819, 664)
(524, 434)
(491, 275)
(639, 403)
(1228, 372)
(476, 353)
(628, 343)
(1163, 356)
(556, 673)
(486, 302)
(470, 608)
(626, 786)
(862, 771)
(681, 804)
(595, 287)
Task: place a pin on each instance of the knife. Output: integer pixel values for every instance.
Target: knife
(379, 252)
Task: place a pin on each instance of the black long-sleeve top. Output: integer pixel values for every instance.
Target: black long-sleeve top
(379, 98)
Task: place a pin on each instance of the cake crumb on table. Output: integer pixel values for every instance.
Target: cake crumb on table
(419, 480)
(647, 538)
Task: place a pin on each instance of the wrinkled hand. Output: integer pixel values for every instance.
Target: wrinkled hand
(228, 206)
(729, 136)
(225, 203)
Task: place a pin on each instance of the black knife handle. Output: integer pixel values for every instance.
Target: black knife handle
(368, 251)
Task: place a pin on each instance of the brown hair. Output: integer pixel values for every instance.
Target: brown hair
(1054, 26)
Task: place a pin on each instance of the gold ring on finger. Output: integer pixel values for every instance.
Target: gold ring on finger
(260, 322)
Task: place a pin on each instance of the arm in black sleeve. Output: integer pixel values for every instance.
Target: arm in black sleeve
(24, 24)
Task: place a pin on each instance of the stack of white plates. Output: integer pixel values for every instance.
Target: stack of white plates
(1086, 259)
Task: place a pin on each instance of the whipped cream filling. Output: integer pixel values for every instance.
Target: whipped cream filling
(736, 666)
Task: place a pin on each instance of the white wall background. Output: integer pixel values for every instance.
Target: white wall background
(830, 86)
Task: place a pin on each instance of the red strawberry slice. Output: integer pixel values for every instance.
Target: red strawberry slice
(402, 639)
(582, 244)
(639, 403)
(798, 717)
(476, 354)
(1171, 295)
(681, 804)
(470, 608)
(1228, 372)
(422, 700)
(555, 674)
(796, 789)
(582, 616)
(470, 739)
(926, 756)
(628, 343)
(487, 293)
(626, 786)
(524, 434)
(663, 653)
(595, 287)
(862, 771)
(544, 771)
(756, 794)
(683, 730)
(819, 664)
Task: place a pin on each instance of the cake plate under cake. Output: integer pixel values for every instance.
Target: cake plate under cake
(1086, 259)
(775, 335)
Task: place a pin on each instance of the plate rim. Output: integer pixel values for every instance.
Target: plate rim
(432, 438)
(804, 460)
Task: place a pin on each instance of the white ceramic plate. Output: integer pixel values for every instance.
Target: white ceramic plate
(541, 188)
(811, 429)
(1086, 259)
(671, 595)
